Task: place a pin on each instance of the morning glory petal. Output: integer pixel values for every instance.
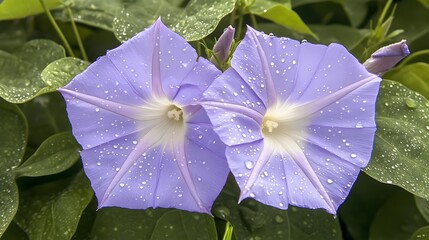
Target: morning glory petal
(146, 141)
(319, 104)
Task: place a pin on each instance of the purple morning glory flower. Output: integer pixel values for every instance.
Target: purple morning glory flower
(387, 57)
(222, 47)
(297, 118)
(145, 143)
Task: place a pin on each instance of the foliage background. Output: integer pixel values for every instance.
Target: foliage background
(44, 193)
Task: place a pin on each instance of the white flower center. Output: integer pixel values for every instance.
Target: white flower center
(163, 120)
(282, 123)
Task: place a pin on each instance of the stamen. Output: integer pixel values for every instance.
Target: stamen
(270, 125)
(175, 113)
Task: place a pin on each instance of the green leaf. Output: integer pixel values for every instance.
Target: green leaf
(414, 25)
(195, 21)
(362, 204)
(414, 76)
(179, 224)
(355, 10)
(253, 220)
(423, 206)
(96, 13)
(397, 219)
(53, 210)
(20, 80)
(421, 234)
(425, 3)
(281, 14)
(347, 36)
(46, 115)
(13, 34)
(121, 223)
(400, 148)
(56, 154)
(60, 72)
(12, 147)
(118, 223)
(13, 9)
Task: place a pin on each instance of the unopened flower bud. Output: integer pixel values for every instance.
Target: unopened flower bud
(386, 57)
(223, 46)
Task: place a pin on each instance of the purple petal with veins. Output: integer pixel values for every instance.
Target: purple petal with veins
(146, 142)
(298, 120)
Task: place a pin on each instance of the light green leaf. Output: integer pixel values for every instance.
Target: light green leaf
(423, 206)
(56, 154)
(397, 219)
(184, 225)
(195, 21)
(425, 3)
(20, 80)
(421, 234)
(60, 72)
(52, 210)
(253, 220)
(281, 14)
(12, 147)
(400, 149)
(414, 76)
(121, 223)
(96, 13)
(13, 9)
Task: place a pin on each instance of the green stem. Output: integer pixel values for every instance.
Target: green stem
(76, 33)
(253, 20)
(57, 28)
(240, 24)
(228, 231)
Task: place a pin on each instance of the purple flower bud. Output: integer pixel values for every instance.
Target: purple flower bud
(222, 46)
(386, 57)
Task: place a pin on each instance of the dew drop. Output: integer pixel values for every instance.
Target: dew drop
(278, 219)
(353, 155)
(248, 164)
(330, 181)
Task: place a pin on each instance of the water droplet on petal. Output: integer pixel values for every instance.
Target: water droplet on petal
(249, 164)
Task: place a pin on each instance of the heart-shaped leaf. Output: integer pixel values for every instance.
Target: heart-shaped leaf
(400, 149)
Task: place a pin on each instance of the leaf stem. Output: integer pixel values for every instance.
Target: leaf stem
(240, 24)
(228, 231)
(76, 33)
(57, 28)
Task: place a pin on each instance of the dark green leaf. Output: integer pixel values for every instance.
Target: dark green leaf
(13, 9)
(14, 232)
(56, 154)
(414, 76)
(184, 225)
(12, 146)
(423, 206)
(60, 72)
(347, 36)
(121, 223)
(412, 18)
(50, 211)
(281, 14)
(356, 10)
(197, 20)
(421, 234)
(46, 116)
(400, 149)
(361, 205)
(12, 35)
(253, 220)
(397, 219)
(20, 80)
